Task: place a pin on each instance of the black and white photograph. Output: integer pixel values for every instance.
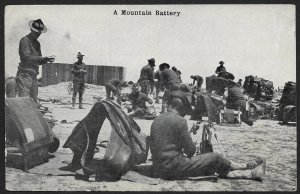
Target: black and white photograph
(153, 97)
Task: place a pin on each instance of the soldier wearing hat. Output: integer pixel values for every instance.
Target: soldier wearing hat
(79, 71)
(169, 82)
(138, 100)
(173, 150)
(30, 59)
(146, 79)
(220, 68)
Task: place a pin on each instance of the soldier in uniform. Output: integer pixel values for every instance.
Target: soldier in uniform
(79, 71)
(235, 100)
(114, 86)
(138, 100)
(31, 57)
(220, 68)
(146, 79)
(169, 81)
(173, 150)
(199, 80)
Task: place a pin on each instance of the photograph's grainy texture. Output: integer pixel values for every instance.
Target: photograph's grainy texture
(150, 98)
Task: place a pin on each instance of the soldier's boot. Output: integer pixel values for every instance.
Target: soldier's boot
(73, 102)
(249, 165)
(252, 174)
(80, 103)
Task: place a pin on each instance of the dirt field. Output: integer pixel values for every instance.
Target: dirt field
(266, 138)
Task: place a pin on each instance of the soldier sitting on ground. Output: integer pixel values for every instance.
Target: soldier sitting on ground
(235, 100)
(138, 100)
(173, 150)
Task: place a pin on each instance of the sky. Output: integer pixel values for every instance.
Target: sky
(257, 40)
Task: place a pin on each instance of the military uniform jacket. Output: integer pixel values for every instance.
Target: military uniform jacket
(147, 73)
(169, 77)
(139, 100)
(169, 140)
(30, 55)
(78, 76)
(220, 69)
(235, 94)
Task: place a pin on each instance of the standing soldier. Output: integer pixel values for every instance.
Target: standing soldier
(199, 80)
(31, 57)
(79, 70)
(146, 80)
(169, 80)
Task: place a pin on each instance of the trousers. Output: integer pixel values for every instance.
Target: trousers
(27, 85)
(78, 87)
(199, 165)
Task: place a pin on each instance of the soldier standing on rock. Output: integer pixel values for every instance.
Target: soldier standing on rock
(79, 70)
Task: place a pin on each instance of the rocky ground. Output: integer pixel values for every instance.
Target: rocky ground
(266, 138)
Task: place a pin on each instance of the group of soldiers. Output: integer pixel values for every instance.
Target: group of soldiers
(170, 142)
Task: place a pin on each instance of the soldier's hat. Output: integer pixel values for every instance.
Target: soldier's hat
(221, 62)
(152, 60)
(174, 68)
(79, 55)
(37, 26)
(161, 66)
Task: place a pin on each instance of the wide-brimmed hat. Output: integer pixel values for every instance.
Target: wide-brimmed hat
(152, 61)
(79, 55)
(37, 26)
(221, 62)
(161, 66)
